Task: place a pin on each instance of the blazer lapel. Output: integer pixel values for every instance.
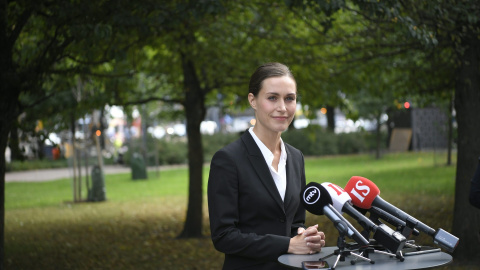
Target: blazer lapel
(258, 163)
(290, 177)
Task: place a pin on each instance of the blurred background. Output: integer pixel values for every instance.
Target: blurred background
(122, 83)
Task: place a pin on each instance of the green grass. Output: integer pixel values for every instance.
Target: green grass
(119, 188)
(402, 173)
(137, 225)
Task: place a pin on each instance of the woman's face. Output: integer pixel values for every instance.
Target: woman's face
(275, 104)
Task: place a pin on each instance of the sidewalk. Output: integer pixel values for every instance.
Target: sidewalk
(55, 174)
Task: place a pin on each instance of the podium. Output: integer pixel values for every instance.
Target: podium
(419, 261)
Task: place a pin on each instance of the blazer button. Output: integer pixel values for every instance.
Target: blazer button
(282, 220)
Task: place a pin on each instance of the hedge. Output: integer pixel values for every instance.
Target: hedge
(312, 141)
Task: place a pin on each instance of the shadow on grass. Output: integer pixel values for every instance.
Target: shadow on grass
(139, 235)
(142, 235)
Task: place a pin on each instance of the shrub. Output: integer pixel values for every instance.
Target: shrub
(169, 151)
(352, 143)
(213, 143)
(174, 150)
(26, 165)
(312, 141)
(318, 141)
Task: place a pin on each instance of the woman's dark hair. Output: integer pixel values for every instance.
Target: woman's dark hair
(266, 71)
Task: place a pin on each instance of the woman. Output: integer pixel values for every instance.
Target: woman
(255, 182)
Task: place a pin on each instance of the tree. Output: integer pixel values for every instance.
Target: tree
(44, 39)
(370, 103)
(26, 56)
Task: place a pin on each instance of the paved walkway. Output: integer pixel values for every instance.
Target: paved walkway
(55, 174)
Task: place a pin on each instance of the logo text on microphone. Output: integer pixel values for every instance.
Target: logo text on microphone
(311, 195)
(360, 191)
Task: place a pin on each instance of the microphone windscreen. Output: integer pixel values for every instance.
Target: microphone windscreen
(362, 191)
(314, 197)
(337, 194)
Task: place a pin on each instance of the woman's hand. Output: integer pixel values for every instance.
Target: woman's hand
(307, 241)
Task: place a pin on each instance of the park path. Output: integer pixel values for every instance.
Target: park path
(55, 174)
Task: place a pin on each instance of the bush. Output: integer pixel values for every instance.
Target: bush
(318, 141)
(35, 164)
(312, 141)
(171, 151)
(213, 143)
(174, 150)
(352, 143)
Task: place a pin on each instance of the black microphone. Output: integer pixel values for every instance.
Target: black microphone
(316, 200)
(376, 213)
(391, 240)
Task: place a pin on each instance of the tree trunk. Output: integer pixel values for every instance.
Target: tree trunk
(450, 132)
(466, 219)
(8, 111)
(40, 146)
(102, 128)
(9, 93)
(5, 122)
(378, 136)
(195, 113)
(14, 144)
(331, 118)
(74, 156)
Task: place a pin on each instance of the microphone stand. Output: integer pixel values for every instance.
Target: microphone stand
(373, 247)
(341, 252)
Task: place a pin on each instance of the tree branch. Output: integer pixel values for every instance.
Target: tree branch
(149, 99)
(78, 70)
(22, 21)
(36, 102)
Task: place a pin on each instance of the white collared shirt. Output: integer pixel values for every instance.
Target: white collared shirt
(280, 176)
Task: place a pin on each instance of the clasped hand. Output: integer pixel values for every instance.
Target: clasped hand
(307, 241)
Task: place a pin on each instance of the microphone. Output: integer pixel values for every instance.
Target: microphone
(376, 213)
(365, 194)
(316, 200)
(392, 240)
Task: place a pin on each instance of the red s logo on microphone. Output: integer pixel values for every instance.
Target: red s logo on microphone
(360, 191)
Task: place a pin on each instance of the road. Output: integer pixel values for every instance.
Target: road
(55, 174)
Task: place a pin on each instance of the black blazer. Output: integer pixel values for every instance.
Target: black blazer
(249, 222)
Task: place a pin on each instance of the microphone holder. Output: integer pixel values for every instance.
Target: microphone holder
(370, 249)
(411, 244)
(375, 247)
(343, 249)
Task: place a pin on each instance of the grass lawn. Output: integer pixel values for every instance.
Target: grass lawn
(137, 225)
